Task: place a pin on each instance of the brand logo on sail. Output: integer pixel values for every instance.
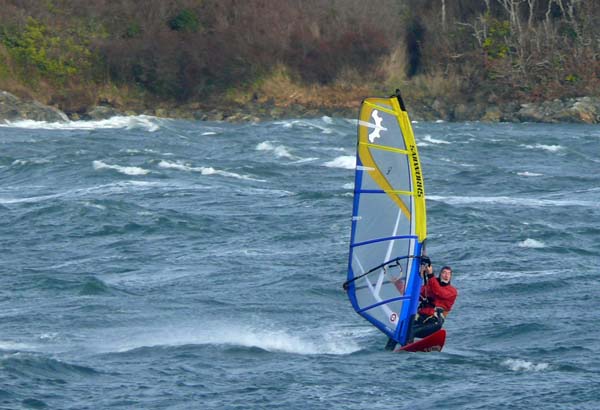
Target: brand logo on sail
(417, 168)
(377, 127)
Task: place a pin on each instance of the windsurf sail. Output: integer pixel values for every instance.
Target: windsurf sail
(388, 219)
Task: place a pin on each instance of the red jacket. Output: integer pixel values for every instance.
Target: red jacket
(438, 295)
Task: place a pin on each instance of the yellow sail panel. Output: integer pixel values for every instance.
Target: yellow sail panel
(371, 128)
(417, 174)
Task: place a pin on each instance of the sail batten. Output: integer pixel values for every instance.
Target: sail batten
(384, 148)
(388, 191)
(380, 108)
(388, 219)
(390, 238)
(399, 298)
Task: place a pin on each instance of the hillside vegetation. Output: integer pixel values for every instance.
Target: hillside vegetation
(134, 54)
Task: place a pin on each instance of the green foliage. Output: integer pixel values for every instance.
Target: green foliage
(567, 32)
(495, 44)
(571, 78)
(3, 70)
(133, 30)
(186, 21)
(186, 49)
(43, 54)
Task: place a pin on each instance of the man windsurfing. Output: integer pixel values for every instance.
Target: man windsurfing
(436, 300)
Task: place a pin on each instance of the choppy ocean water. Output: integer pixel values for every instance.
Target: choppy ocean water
(162, 264)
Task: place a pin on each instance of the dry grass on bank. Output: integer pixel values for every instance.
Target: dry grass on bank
(282, 89)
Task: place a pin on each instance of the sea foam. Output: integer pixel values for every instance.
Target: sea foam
(430, 139)
(532, 243)
(99, 165)
(529, 174)
(271, 340)
(519, 365)
(308, 124)
(280, 151)
(550, 148)
(203, 170)
(146, 122)
(504, 200)
(345, 162)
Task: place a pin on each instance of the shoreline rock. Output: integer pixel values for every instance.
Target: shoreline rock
(583, 110)
(12, 108)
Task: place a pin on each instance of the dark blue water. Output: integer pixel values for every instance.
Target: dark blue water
(158, 264)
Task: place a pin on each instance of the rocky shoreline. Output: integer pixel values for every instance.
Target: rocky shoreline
(584, 110)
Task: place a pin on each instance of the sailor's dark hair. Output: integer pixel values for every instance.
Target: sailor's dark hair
(440, 274)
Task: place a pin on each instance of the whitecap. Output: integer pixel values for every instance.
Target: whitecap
(429, 138)
(265, 338)
(280, 151)
(10, 345)
(529, 174)
(305, 160)
(203, 170)
(105, 189)
(133, 151)
(550, 148)
(532, 243)
(93, 205)
(48, 336)
(34, 199)
(283, 341)
(345, 162)
(146, 122)
(517, 365)
(99, 165)
(213, 171)
(349, 185)
(34, 161)
(305, 124)
(504, 200)
(177, 165)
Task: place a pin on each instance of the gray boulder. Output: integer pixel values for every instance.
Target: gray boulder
(13, 108)
(576, 110)
(101, 112)
(583, 110)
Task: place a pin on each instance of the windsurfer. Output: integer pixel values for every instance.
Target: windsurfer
(437, 298)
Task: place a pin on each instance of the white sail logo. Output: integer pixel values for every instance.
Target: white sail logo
(377, 127)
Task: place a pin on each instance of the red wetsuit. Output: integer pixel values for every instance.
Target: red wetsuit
(438, 295)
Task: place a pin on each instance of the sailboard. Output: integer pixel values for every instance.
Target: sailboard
(432, 343)
(388, 220)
